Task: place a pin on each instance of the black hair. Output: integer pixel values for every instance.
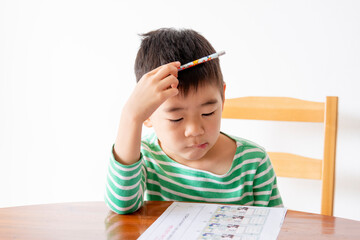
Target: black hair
(166, 45)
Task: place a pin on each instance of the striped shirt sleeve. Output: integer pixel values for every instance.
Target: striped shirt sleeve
(125, 186)
(265, 190)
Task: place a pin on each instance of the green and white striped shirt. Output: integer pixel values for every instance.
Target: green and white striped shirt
(250, 181)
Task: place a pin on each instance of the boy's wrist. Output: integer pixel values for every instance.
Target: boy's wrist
(130, 115)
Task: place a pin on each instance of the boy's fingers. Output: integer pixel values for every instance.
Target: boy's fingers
(169, 82)
(170, 92)
(176, 64)
(174, 85)
(167, 69)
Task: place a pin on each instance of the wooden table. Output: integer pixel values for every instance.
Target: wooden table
(93, 220)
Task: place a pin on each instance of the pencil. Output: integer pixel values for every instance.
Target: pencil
(201, 60)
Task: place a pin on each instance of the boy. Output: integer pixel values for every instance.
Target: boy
(187, 158)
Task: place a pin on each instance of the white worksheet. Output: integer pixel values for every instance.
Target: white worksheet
(201, 221)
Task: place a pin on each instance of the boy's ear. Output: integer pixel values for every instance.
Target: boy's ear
(224, 95)
(148, 123)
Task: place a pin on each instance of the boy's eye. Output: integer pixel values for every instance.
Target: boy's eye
(208, 114)
(175, 120)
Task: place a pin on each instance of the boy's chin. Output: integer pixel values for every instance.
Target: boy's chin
(195, 157)
(189, 155)
(187, 158)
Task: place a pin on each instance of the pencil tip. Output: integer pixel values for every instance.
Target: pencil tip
(221, 53)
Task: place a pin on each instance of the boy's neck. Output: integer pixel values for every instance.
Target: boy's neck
(218, 159)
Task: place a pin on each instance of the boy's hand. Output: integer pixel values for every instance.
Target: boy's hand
(150, 92)
(154, 88)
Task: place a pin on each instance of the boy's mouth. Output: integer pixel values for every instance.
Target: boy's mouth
(201, 146)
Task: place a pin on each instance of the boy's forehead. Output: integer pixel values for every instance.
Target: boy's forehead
(201, 97)
(200, 90)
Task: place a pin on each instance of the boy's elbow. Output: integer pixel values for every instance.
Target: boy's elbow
(120, 212)
(123, 207)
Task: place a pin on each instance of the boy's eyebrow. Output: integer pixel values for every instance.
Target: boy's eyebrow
(209, 102)
(173, 109)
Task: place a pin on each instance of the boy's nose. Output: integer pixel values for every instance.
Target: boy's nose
(194, 128)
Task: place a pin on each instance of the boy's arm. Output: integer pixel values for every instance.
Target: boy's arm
(151, 91)
(125, 186)
(265, 190)
(126, 180)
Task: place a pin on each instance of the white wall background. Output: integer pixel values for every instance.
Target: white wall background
(66, 69)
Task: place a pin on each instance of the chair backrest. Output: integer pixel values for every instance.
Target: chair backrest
(291, 109)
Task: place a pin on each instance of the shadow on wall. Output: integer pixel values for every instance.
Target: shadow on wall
(349, 124)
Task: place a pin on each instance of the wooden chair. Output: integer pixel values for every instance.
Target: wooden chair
(291, 109)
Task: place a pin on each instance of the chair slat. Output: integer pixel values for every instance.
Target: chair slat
(274, 109)
(295, 166)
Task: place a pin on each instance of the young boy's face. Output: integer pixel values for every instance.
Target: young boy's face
(188, 127)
